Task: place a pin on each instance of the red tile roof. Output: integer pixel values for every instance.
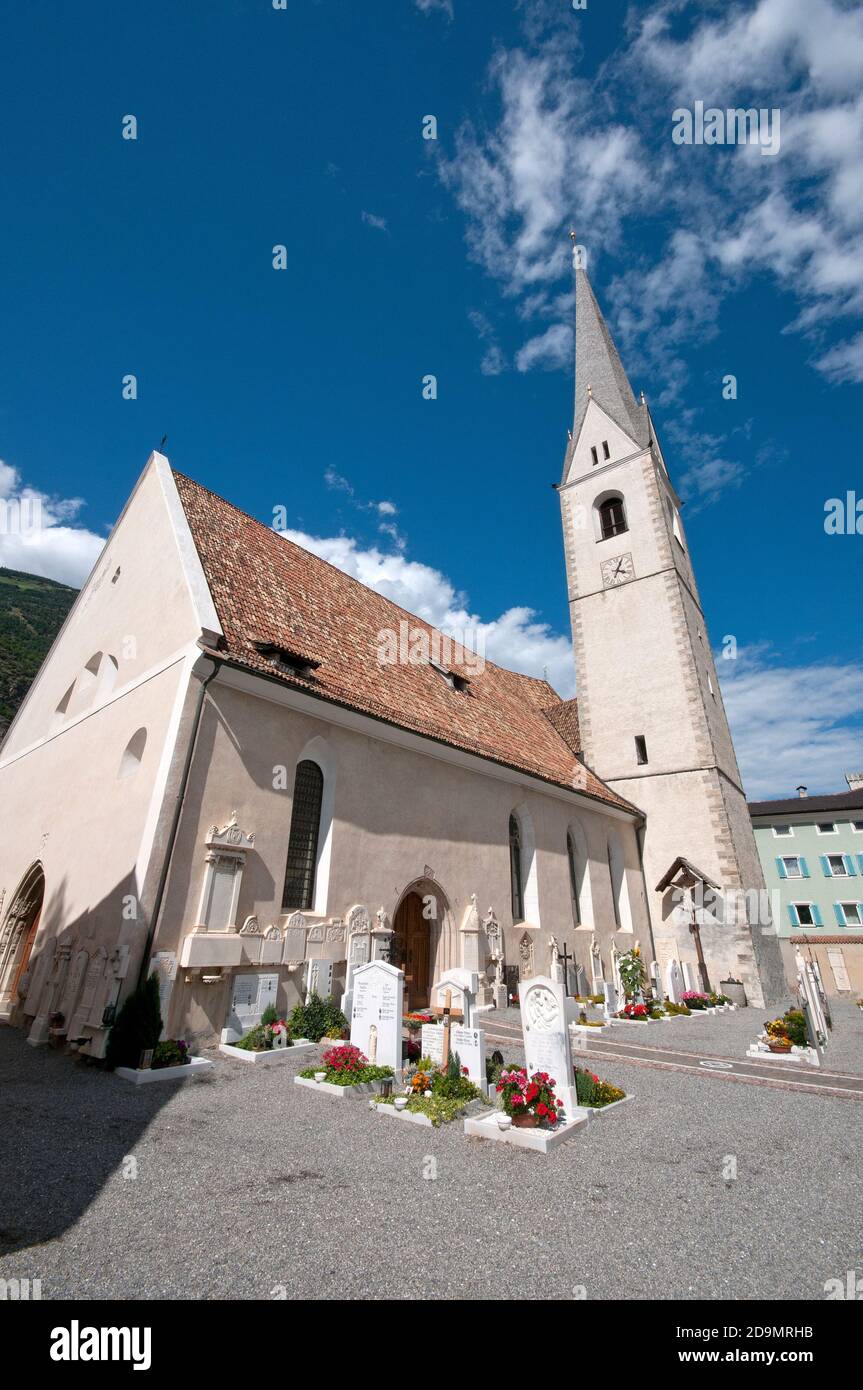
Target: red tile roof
(267, 589)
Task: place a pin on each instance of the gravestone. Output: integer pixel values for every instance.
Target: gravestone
(674, 980)
(546, 1037)
(250, 996)
(431, 1044)
(359, 949)
(581, 984)
(469, 1043)
(463, 986)
(378, 1003)
(656, 980)
(688, 976)
(512, 984)
(611, 1001)
(319, 978)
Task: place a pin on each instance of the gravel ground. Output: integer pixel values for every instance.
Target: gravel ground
(248, 1185)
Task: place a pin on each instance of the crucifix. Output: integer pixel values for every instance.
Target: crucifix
(449, 1015)
(564, 957)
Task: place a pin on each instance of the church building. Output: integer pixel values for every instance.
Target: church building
(232, 770)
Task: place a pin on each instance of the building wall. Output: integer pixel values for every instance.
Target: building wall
(821, 891)
(71, 801)
(401, 818)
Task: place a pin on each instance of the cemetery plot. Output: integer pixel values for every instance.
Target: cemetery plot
(344, 1070)
(145, 1076)
(450, 1076)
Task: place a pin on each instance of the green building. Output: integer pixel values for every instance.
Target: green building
(811, 850)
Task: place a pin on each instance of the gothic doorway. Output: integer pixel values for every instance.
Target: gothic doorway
(18, 934)
(410, 950)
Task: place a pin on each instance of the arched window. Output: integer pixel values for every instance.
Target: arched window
(133, 754)
(619, 889)
(515, 870)
(303, 842)
(612, 517)
(571, 855)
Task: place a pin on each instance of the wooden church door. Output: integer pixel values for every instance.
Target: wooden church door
(411, 954)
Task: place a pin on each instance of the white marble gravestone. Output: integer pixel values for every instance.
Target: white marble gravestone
(546, 1036)
(319, 978)
(359, 950)
(431, 1042)
(378, 1002)
(674, 980)
(250, 996)
(656, 980)
(688, 976)
(469, 1043)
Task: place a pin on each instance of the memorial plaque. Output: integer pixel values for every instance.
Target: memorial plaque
(378, 990)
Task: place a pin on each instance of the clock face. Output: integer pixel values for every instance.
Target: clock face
(617, 571)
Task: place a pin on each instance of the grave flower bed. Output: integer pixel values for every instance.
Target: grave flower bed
(439, 1093)
(673, 1010)
(638, 1013)
(530, 1100)
(593, 1092)
(347, 1066)
(788, 1031)
(172, 1052)
(694, 999)
(265, 1037)
(318, 1018)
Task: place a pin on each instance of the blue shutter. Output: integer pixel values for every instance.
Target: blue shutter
(780, 867)
(840, 916)
(792, 913)
(825, 864)
(860, 862)
(816, 914)
(849, 863)
(804, 867)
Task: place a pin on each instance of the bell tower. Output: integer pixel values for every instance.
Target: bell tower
(653, 725)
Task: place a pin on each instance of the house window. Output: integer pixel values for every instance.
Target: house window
(605, 450)
(826, 828)
(791, 866)
(805, 915)
(593, 454)
(710, 686)
(516, 882)
(857, 826)
(612, 518)
(836, 865)
(640, 749)
(852, 914)
(299, 891)
(783, 830)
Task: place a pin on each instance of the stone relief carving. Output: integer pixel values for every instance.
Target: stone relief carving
(541, 1009)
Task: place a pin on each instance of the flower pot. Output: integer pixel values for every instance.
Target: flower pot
(400, 1102)
(504, 1121)
(320, 1076)
(779, 1046)
(525, 1121)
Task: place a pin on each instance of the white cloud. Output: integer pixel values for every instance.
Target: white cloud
(516, 639)
(428, 6)
(35, 535)
(792, 724)
(552, 349)
(843, 362)
(371, 220)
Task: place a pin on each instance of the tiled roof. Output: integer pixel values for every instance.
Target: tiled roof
(815, 940)
(266, 589)
(564, 716)
(802, 805)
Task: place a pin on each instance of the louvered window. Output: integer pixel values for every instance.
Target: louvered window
(303, 843)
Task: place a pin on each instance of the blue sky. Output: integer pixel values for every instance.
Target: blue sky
(302, 388)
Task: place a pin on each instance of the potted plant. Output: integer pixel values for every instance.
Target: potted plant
(529, 1100)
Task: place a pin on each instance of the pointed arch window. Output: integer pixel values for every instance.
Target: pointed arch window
(299, 891)
(571, 855)
(515, 870)
(612, 518)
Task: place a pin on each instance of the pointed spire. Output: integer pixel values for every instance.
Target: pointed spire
(599, 373)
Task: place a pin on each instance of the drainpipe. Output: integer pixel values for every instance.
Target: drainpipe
(175, 819)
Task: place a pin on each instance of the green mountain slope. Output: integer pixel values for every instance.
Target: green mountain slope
(32, 610)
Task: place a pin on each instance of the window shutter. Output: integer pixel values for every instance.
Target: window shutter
(804, 867)
(860, 862)
(825, 864)
(792, 913)
(840, 915)
(816, 914)
(849, 864)
(781, 869)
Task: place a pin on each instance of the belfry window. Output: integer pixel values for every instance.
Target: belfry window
(605, 451)
(612, 518)
(515, 869)
(299, 891)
